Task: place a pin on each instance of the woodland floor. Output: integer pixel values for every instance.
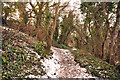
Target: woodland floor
(61, 62)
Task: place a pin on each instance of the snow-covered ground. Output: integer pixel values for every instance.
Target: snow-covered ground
(62, 65)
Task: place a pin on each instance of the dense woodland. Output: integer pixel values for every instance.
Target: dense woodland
(55, 24)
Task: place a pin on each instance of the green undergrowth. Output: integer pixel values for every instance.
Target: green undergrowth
(19, 57)
(40, 48)
(97, 67)
(58, 45)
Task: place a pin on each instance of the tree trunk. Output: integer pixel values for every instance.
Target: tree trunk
(49, 42)
(107, 25)
(39, 34)
(113, 32)
(50, 37)
(39, 16)
(66, 37)
(56, 31)
(118, 47)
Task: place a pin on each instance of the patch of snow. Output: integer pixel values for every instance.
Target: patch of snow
(32, 76)
(38, 56)
(62, 65)
(31, 51)
(3, 27)
(51, 66)
(45, 76)
(6, 28)
(74, 49)
(20, 40)
(83, 69)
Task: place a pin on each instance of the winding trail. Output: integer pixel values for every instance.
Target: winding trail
(62, 65)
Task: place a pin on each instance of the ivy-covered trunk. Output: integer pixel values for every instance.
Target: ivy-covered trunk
(113, 33)
(56, 33)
